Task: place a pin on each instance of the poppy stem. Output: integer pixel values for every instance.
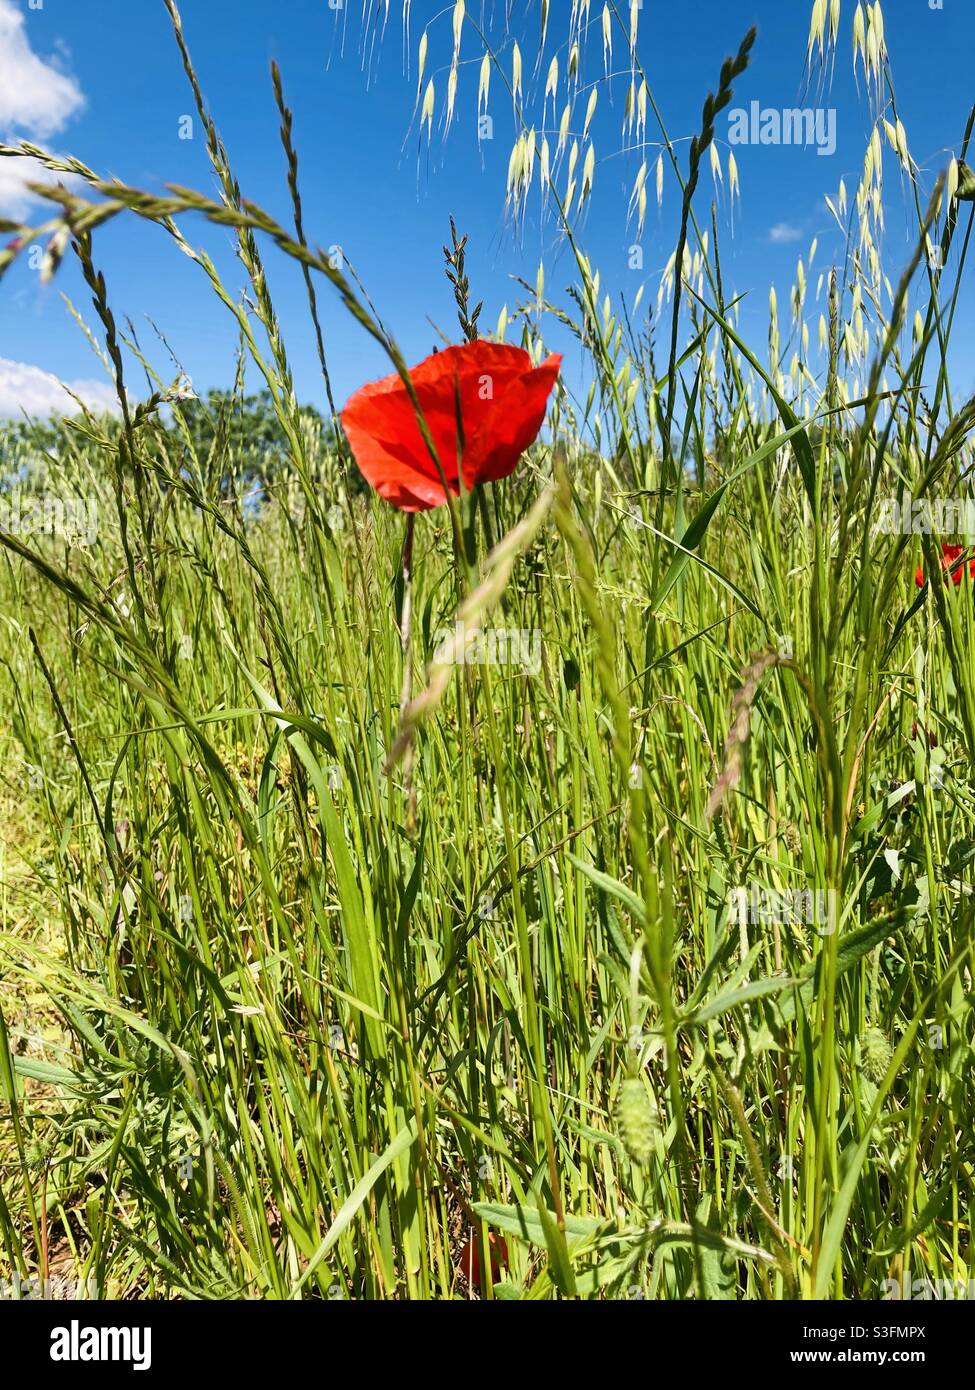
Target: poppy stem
(466, 500)
(485, 516)
(406, 692)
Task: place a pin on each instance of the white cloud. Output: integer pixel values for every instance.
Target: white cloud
(784, 232)
(37, 100)
(15, 175)
(25, 389)
(35, 96)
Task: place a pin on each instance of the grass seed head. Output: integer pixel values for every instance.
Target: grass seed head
(637, 1119)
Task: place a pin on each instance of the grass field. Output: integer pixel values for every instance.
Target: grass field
(643, 959)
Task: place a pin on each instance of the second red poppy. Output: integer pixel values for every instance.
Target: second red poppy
(949, 555)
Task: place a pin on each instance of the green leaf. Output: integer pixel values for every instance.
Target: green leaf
(718, 1266)
(526, 1223)
(613, 887)
(343, 1219)
(558, 1252)
(48, 1074)
(757, 989)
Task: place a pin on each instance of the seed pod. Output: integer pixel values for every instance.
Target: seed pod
(876, 1054)
(637, 1120)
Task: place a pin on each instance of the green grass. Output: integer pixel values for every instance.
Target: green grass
(378, 1009)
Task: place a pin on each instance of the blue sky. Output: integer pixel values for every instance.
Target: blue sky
(102, 79)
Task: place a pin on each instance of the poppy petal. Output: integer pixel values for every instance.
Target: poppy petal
(498, 395)
(380, 425)
(949, 558)
(513, 423)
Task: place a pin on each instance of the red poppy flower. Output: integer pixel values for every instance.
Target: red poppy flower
(503, 400)
(469, 1260)
(932, 738)
(949, 554)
